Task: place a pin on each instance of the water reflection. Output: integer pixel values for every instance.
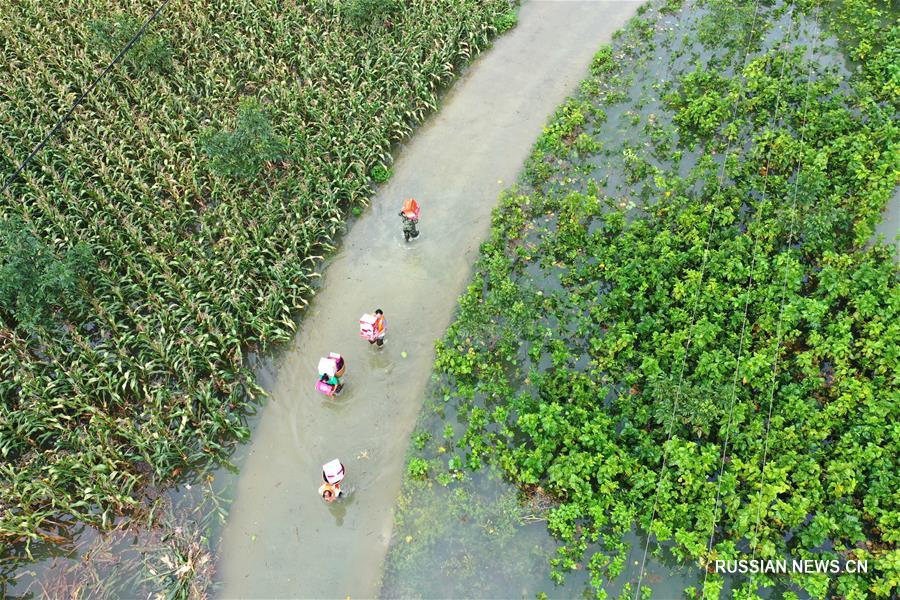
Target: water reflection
(338, 508)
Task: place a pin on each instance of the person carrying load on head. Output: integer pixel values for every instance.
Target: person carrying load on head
(332, 474)
(410, 216)
(371, 327)
(331, 368)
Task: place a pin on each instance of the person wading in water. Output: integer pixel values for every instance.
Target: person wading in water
(331, 369)
(410, 216)
(332, 474)
(379, 327)
(371, 327)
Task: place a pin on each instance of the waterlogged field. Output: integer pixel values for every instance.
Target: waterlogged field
(471, 534)
(678, 329)
(176, 222)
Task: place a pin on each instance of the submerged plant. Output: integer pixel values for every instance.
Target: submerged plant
(716, 367)
(417, 468)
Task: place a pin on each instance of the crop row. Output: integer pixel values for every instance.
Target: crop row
(147, 376)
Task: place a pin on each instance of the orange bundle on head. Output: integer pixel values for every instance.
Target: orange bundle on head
(411, 209)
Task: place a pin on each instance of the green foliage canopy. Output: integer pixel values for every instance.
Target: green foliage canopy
(243, 151)
(365, 12)
(34, 282)
(150, 52)
(739, 308)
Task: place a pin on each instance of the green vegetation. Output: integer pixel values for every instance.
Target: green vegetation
(369, 12)
(35, 284)
(206, 217)
(243, 152)
(417, 468)
(680, 301)
(381, 173)
(506, 21)
(150, 51)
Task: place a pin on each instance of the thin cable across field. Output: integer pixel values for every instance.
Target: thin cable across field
(720, 178)
(80, 99)
(781, 309)
(741, 342)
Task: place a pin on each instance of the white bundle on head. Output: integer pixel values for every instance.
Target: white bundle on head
(334, 471)
(327, 366)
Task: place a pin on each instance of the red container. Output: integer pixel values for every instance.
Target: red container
(411, 209)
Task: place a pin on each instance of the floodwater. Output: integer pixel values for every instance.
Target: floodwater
(478, 537)
(281, 540)
(889, 227)
(481, 538)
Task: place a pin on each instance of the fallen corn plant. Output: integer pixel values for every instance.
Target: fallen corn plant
(194, 266)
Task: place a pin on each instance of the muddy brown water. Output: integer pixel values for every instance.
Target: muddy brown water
(281, 540)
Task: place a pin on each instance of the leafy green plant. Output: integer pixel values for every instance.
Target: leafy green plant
(363, 12)
(34, 282)
(448, 433)
(381, 173)
(603, 62)
(417, 468)
(243, 151)
(421, 439)
(150, 52)
(702, 104)
(506, 21)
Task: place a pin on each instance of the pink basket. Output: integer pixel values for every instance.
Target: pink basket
(325, 388)
(367, 327)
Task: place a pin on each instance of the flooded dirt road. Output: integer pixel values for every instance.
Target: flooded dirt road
(281, 539)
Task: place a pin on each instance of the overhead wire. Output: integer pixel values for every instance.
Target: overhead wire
(733, 394)
(720, 180)
(781, 310)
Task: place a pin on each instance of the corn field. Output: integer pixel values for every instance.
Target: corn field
(194, 269)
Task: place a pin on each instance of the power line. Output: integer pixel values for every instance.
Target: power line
(779, 332)
(712, 534)
(78, 101)
(671, 428)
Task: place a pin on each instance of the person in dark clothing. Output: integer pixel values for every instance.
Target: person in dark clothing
(409, 228)
(410, 216)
